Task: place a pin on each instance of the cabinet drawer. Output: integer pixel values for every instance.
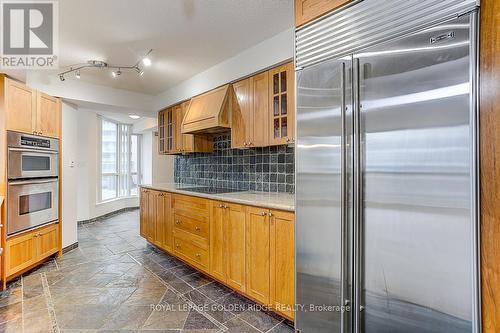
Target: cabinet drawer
(199, 206)
(191, 253)
(193, 224)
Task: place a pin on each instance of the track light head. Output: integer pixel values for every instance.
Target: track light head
(61, 77)
(146, 61)
(77, 74)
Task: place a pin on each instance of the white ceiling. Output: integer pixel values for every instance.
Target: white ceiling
(188, 36)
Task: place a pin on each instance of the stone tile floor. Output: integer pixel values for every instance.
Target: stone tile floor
(115, 282)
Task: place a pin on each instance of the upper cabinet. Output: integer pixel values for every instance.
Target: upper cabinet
(308, 10)
(170, 138)
(47, 115)
(265, 110)
(282, 105)
(31, 111)
(250, 115)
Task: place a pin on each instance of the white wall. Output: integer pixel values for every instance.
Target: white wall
(269, 52)
(69, 173)
(147, 157)
(163, 165)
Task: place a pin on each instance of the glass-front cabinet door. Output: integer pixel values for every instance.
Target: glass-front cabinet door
(282, 106)
(161, 132)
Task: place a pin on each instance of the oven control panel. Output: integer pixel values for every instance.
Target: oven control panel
(35, 142)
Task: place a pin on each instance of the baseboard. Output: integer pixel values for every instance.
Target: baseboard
(108, 215)
(70, 247)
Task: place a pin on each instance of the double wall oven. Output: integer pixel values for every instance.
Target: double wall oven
(33, 181)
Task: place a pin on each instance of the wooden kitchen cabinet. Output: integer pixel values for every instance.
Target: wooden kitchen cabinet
(282, 262)
(250, 120)
(162, 217)
(31, 111)
(166, 131)
(249, 249)
(28, 248)
(48, 115)
(172, 141)
(47, 241)
(20, 253)
(257, 254)
(227, 245)
(282, 105)
(309, 10)
(218, 260)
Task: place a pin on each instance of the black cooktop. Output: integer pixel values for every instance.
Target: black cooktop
(211, 190)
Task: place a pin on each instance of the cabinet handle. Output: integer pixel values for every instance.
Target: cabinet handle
(221, 206)
(269, 214)
(198, 255)
(177, 246)
(287, 139)
(225, 206)
(177, 222)
(263, 214)
(198, 228)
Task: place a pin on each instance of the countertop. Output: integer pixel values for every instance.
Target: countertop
(280, 201)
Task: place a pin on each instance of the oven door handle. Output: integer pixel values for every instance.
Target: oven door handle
(28, 182)
(38, 151)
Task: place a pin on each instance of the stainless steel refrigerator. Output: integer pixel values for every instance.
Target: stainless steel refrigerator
(386, 194)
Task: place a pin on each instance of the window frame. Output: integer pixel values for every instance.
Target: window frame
(118, 173)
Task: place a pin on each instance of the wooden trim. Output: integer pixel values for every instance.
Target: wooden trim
(489, 156)
(59, 106)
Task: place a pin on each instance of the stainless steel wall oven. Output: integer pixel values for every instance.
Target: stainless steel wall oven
(33, 181)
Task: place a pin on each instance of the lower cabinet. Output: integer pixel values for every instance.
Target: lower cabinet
(227, 244)
(282, 262)
(156, 218)
(257, 253)
(26, 249)
(249, 249)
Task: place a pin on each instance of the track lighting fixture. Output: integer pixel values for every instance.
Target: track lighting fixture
(145, 61)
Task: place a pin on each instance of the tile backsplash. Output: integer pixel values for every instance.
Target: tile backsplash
(268, 169)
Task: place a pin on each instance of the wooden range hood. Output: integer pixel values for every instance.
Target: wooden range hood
(210, 112)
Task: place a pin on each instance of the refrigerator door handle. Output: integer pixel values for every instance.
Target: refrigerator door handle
(343, 220)
(356, 297)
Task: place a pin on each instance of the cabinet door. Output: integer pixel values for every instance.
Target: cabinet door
(283, 262)
(259, 128)
(161, 132)
(217, 241)
(242, 117)
(20, 107)
(159, 219)
(20, 252)
(308, 10)
(143, 215)
(178, 116)
(257, 243)
(48, 112)
(235, 246)
(47, 241)
(167, 222)
(282, 105)
(151, 220)
(169, 131)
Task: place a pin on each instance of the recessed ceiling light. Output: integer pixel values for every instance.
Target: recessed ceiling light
(134, 116)
(146, 61)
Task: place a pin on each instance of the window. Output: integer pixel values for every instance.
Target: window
(120, 161)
